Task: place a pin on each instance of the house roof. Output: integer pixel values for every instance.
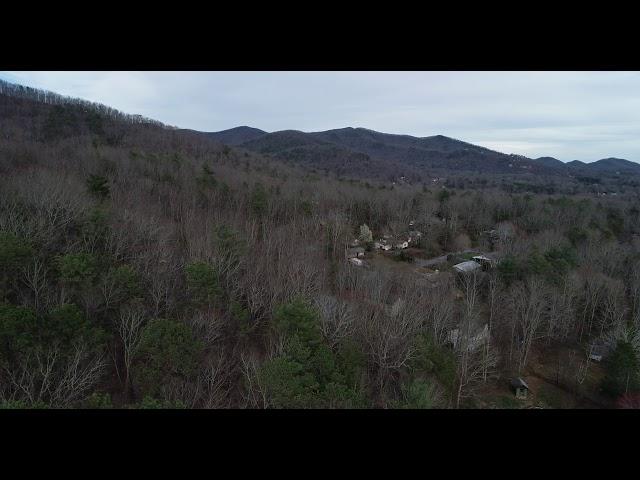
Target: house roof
(519, 383)
(356, 250)
(465, 267)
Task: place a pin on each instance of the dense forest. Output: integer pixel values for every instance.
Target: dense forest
(143, 266)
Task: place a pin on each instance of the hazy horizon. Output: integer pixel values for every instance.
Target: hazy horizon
(583, 116)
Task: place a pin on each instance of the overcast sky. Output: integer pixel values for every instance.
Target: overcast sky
(567, 115)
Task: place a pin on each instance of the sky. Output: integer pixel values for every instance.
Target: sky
(567, 115)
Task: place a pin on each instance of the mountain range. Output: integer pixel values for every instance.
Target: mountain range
(351, 149)
(346, 152)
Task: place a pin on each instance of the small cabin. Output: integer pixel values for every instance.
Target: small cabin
(520, 388)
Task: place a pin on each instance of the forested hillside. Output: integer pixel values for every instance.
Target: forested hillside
(142, 266)
(363, 153)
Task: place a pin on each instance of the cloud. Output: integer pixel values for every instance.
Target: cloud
(568, 115)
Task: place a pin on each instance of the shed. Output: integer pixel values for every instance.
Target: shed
(355, 252)
(520, 388)
(467, 267)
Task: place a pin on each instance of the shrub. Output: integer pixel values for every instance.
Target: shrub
(577, 235)
(242, 316)
(298, 319)
(230, 244)
(98, 186)
(365, 234)
(96, 225)
(419, 394)
(98, 401)
(14, 254)
(435, 360)
(309, 374)
(77, 268)
(258, 200)
(150, 403)
(66, 325)
(167, 349)
(19, 331)
(202, 283)
(307, 208)
(126, 281)
(403, 257)
(622, 371)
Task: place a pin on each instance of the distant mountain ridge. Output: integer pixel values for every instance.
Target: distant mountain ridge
(237, 135)
(605, 165)
(382, 153)
(618, 164)
(551, 162)
(340, 148)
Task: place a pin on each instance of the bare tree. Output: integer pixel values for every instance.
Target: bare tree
(130, 324)
(473, 357)
(34, 276)
(336, 318)
(254, 394)
(47, 376)
(528, 301)
(439, 312)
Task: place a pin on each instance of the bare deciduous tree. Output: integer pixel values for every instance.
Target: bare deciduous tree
(130, 324)
(34, 276)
